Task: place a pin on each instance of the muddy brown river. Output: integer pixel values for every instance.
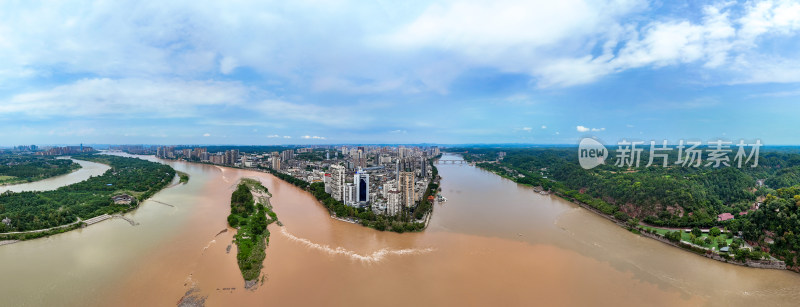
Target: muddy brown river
(492, 243)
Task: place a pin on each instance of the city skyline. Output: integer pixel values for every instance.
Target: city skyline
(346, 72)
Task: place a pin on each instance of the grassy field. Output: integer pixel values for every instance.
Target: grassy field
(687, 237)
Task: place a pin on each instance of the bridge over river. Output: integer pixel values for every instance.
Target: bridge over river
(451, 161)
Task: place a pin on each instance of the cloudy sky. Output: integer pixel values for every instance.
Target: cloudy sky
(500, 71)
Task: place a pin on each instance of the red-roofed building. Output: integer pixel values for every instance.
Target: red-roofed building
(724, 217)
(743, 213)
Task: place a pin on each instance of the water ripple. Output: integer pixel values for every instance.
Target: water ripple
(375, 257)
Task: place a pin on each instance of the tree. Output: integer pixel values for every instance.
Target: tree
(233, 221)
(697, 232)
(673, 236)
(714, 232)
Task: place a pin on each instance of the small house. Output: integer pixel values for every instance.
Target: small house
(724, 217)
(122, 199)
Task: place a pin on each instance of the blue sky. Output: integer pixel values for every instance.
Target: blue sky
(316, 72)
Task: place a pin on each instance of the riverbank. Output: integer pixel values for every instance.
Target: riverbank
(10, 182)
(90, 199)
(87, 170)
(37, 173)
(406, 222)
(638, 229)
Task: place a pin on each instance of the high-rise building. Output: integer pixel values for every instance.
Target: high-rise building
(393, 202)
(198, 152)
(231, 156)
(361, 181)
(276, 161)
(387, 186)
(287, 155)
(326, 180)
(337, 182)
(405, 184)
(349, 194)
(360, 159)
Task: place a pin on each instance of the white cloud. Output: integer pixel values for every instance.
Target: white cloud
(227, 65)
(287, 137)
(312, 137)
(557, 42)
(125, 97)
(207, 134)
(586, 129)
(348, 86)
(481, 28)
(721, 41)
(398, 131)
(528, 129)
(340, 117)
(387, 47)
(272, 136)
(544, 127)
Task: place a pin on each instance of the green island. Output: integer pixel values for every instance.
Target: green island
(406, 221)
(184, 177)
(29, 215)
(748, 214)
(249, 210)
(16, 169)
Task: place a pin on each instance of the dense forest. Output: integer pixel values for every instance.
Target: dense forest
(26, 168)
(86, 199)
(763, 199)
(776, 225)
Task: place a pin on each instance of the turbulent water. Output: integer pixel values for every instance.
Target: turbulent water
(492, 243)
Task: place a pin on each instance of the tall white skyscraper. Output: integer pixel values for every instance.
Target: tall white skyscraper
(393, 202)
(337, 182)
(350, 194)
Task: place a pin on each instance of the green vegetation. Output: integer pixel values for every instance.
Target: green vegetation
(778, 222)
(40, 234)
(406, 221)
(92, 197)
(27, 168)
(250, 218)
(288, 178)
(659, 196)
(674, 196)
(184, 177)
